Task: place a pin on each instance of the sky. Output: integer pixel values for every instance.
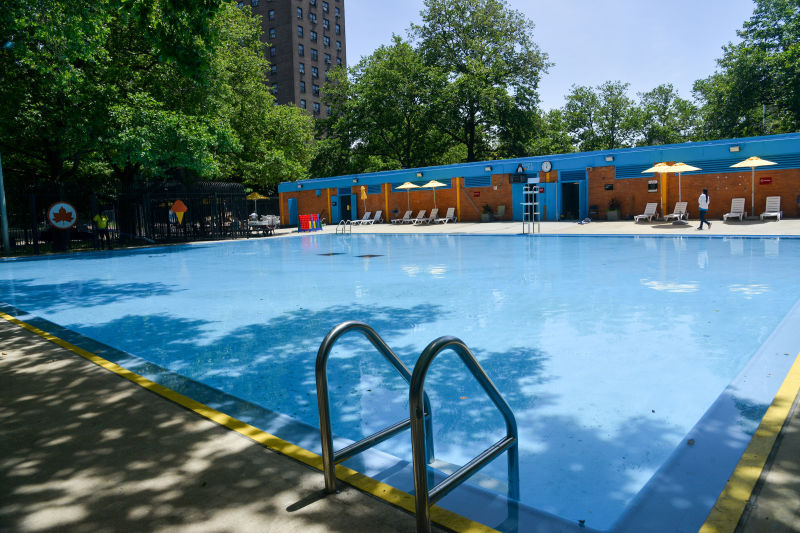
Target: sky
(641, 42)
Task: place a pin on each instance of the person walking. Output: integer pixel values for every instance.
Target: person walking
(703, 202)
(101, 229)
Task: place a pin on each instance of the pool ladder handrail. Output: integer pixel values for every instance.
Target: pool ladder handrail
(419, 420)
(425, 497)
(331, 458)
(344, 225)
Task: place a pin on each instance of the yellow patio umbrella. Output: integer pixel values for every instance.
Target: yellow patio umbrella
(432, 185)
(364, 197)
(407, 186)
(753, 162)
(660, 168)
(681, 167)
(256, 197)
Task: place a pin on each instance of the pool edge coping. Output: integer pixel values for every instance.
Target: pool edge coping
(371, 486)
(730, 506)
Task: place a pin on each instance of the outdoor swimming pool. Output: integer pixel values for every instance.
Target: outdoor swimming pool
(609, 350)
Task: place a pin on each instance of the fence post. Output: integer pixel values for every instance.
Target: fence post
(3, 215)
(34, 223)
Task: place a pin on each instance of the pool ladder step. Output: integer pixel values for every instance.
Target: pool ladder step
(419, 420)
(344, 226)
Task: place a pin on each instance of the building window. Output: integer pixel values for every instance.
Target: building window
(240, 5)
(313, 36)
(327, 59)
(316, 108)
(314, 54)
(272, 51)
(325, 6)
(254, 3)
(301, 67)
(315, 89)
(300, 13)
(338, 30)
(299, 31)
(339, 61)
(274, 88)
(339, 45)
(271, 14)
(336, 10)
(326, 41)
(301, 50)
(312, 17)
(314, 72)
(272, 33)
(328, 110)
(302, 86)
(312, 2)
(302, 103)
(326, 24)
(273, 69)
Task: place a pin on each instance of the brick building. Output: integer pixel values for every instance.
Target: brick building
(577, 185)
(306, 38)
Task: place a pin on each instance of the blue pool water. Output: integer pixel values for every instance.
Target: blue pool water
(609, 350)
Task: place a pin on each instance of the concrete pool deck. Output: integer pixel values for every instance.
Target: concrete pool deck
(82, 450)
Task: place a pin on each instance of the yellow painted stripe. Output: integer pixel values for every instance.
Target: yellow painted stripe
(367, 484)
(730, 505)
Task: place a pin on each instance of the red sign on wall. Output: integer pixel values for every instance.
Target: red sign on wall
(764, 181)
(476, 193)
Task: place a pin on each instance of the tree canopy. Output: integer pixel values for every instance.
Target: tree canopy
(118, 91)
(756, 86)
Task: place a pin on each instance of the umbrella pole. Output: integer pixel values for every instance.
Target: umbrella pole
(752, 191)
(408, 199)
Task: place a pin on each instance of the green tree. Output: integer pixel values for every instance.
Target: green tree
(385, 109)
(487, 52)
(52, 106)
(665, 117)
(273, 143)
(580, 112)
(552, 137)
(755, 88)
(600, 119)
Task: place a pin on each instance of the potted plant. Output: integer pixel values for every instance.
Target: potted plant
(486, 213)
(613, 210)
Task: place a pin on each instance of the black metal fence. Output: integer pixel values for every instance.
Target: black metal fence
(213, 211)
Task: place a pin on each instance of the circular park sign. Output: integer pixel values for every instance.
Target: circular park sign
(62, 215)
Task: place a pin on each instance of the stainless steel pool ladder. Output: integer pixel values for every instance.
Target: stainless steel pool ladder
(531, 216)
(420, 421)
(331, 458)
(344, 226)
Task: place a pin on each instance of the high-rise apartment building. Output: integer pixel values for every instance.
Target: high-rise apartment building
(307, 38)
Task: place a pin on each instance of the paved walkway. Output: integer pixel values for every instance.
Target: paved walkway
(82, 450)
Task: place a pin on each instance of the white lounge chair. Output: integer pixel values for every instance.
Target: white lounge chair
(773, 208)
(649, 212)
(680, 212)
(737, 210)
(376, 218)
(402, 220)
(427, 220)
(420, 218)
(449, 217)
(363, 219)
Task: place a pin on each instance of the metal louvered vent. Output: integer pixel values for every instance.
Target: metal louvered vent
(479, 181)
(572, 174)
(630, 171)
